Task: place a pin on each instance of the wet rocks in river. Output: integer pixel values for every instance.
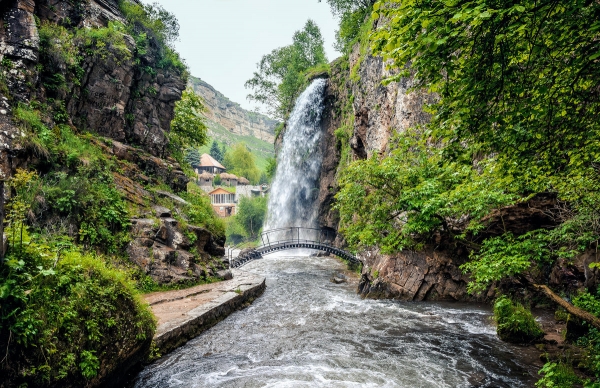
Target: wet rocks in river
(338, 278)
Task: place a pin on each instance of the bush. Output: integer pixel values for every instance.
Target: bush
(61, 310)
(557, 375)
(515, 323)
(60, 324)
(200, 213)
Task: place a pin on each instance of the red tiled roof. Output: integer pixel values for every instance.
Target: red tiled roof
(208, 161)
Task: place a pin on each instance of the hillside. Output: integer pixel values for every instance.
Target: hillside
(229, 123)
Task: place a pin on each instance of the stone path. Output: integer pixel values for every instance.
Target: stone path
(184, 314)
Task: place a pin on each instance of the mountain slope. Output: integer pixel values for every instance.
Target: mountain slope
(229, 123)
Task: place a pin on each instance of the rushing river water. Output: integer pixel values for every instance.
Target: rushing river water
(306, 331)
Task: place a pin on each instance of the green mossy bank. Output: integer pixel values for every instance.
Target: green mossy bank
(89, 91)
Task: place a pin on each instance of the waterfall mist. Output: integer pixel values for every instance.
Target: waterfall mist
(295, 187)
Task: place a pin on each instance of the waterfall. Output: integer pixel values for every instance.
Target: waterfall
(295, 187)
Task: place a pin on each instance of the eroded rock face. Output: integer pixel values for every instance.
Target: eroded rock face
(163, 249)
(116, 97)
(424, 275)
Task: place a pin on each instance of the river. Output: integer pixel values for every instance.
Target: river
(306, 331)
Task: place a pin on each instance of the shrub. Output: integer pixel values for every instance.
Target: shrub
(557, 375)
(60, 309)
(200, 213)
(515, 323)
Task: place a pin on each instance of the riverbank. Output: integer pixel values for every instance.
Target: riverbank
(184, 314)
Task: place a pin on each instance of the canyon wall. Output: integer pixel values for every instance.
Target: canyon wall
(361, 117)
(231, 115)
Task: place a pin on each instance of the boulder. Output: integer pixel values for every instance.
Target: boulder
(224, 274)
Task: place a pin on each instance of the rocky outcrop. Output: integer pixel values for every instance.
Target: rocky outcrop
(117, 96)
(142, 168)
(162, 248)
(231, 115)
(408, 275)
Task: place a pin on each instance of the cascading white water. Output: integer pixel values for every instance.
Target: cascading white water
(295, 187)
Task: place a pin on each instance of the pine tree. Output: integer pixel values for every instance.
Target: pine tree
(216, 152)
(192, 156)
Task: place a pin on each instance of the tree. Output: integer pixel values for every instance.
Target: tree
(251, 215)
(192, 157)
(279, 79)
(188, 128)
(352, 14)
(240, 161)
(271, 168)
(216, 151)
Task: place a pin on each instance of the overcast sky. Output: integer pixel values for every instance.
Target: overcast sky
(222, 40)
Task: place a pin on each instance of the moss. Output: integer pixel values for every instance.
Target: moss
(66, 325)
(515, 323)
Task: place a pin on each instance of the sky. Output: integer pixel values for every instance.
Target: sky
(223, 40)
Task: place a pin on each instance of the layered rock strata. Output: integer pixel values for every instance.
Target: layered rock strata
(231, 115)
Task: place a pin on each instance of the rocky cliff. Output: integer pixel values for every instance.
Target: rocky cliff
(231, 115)
(361, 116)
(86, 102)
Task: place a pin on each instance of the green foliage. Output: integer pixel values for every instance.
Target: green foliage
(188, 128)
(192, 157)
(588, 302)
(513, 78)
(251, 215)
(151, 26)
(201, 213)
(401, 200)
(280, 77)
(557, 375)
(241, 162)
(515, 322)
(152, 19)
(79, 187)
(505, 256)
(216, 151)
(271, 168)
(353, 15)
(62, 49)
(537, 64)
(61, 309)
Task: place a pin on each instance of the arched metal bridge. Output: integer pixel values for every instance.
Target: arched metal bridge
(282, 239)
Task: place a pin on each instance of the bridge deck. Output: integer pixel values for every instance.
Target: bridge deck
(266, 249)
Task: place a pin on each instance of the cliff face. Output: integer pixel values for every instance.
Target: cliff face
(232, 116)
(114, 97)
(364, 114)
(360, 119)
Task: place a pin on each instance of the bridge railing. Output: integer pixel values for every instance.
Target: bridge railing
(287, 235)
(297, 233)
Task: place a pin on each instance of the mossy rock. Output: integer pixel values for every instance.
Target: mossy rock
(515, 323)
